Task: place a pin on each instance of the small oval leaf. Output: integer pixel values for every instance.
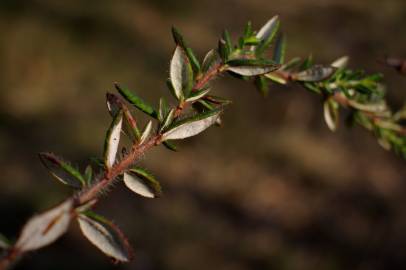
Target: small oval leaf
(192, 126)
(267, 33)
(136, 101)
(377, 107)
(197, 95)
(341, 62)
(104, 238)
(142, 183)
(167, 120)
(314, 74)
(62, 170)
(211, 60)
(113, 140)
(331, 115)
(147, 131)
(43, 229)
(181, 73)
(279, 50)
(163, 109)
(251, 70)
(251, 67)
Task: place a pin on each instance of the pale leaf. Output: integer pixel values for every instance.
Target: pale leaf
(340, 62)
(192, 126)
(45, 228)
(212, 59)
(142, 183)
(103, 237)
(252, 70)
(331, 114)
(314, 74)
(181, 73)
(113, 140)
(146, 132)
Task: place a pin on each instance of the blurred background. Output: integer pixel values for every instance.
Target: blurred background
(272, 189)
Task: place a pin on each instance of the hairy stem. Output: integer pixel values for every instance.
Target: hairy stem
(138, 150)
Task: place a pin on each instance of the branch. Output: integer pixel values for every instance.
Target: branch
(195, 111)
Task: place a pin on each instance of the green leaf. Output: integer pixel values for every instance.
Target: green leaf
(99, 162)
(331, 114)
(314, 74)
(43, 229)
(312, 87)
(193, 60)
(191, 126)
(114, 104)
(262, 85)
(266, 34)
(222, 50)
(211, 60)
(146, 133)
(251, 67)
(291, 64)
(105, 236)
(169, 145)
(197, 95)
(228, 43)
(85, 206)
(136, 101)
(307, 63)
(142, 182)
(279, 50)
(62, 170)
(88, 175)
(112, 140)
(248, 30)
(178, 38)
(251, 41)
(163, 109)
(217, 100)
(181, 74)
(4, 242)
(167, 120)
(273, 76)
(202, 106)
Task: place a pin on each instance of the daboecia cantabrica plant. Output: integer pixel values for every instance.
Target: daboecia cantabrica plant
(258, 57)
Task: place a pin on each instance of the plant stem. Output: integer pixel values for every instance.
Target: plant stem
(210, 74)
(119, 168)
(93, 192)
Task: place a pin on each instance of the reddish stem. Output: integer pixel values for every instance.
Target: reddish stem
(213, 72)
